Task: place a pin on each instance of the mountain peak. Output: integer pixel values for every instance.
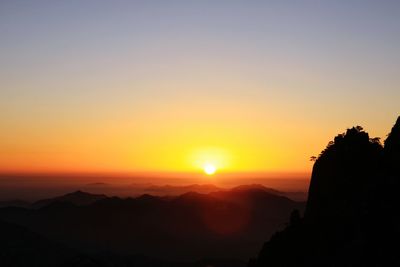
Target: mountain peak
(351, 215)
(348, 163)
(78, 197)
(78, 193)
(394, 135)
(256, 187)
(392, 146)
(83, 194)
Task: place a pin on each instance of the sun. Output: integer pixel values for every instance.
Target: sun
(209, 169)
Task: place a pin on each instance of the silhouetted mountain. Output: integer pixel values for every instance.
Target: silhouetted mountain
(78, 198)
(392, 155)
(256, 187)
(193, 226)
(178, 190)
(20, 247)
(14, 203)
(349, 166)
(352, 214)
(136, 189)
(297, 196)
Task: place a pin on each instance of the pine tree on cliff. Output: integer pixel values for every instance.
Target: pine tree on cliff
(352, 216)
(342, 176)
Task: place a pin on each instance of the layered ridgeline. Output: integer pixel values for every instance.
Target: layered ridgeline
(352, 213)
(220, 229)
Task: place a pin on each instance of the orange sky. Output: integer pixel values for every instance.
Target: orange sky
(145, 87)
(233, 137)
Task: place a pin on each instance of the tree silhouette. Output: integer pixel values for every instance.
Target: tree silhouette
(352, 215)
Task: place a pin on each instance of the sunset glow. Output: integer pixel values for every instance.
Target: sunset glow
(209, 169)
(199, 133)
(260, 98)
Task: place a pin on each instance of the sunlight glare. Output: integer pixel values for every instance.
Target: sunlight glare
(209, 169)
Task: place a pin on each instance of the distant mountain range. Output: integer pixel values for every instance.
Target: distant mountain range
(351, 218)
(228, 224)
(21, 247)
(174, 190)
(78, 198)
(94, 191)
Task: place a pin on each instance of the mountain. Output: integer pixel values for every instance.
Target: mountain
(297, 196)
(256, 187)
(137, 189)
(14, 203)
(78, 198)
(21, 247)
(392, 151)
(352, 215)
(228, 224)
(178, 190)
(174, 190)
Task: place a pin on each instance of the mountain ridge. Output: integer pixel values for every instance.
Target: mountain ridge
(352, 215)
(215, 224)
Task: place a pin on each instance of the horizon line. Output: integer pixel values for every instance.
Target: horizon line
(156, 174)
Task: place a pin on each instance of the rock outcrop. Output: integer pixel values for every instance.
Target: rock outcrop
(352, 213)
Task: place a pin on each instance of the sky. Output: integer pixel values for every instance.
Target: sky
(170, 86)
